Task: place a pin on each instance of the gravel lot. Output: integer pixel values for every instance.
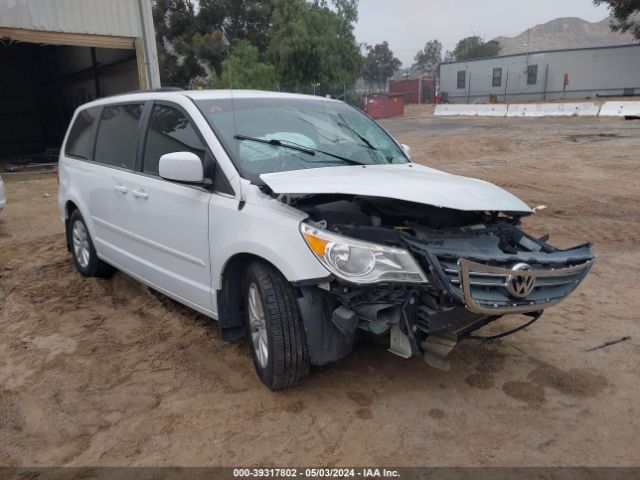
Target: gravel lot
(105, 372)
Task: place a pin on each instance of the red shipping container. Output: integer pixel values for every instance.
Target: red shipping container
(413, 91)
(384, 105)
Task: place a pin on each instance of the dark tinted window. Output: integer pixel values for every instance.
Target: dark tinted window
(497, 77)
(169, 131)
(461, 78)
(79, 143)
(532, 74)
(116, 143)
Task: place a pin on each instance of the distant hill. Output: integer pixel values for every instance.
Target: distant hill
(563, 33)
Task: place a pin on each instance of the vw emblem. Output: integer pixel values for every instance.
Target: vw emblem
(519, 286)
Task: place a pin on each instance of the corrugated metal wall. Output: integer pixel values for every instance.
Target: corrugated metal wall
(98, 17)
(112, 18)
(590, 72)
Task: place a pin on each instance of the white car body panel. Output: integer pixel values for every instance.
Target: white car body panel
(3, 195)
(264, 227)
(162, 234)
(410, 182)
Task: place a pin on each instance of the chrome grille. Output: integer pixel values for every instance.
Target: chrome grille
(484, 288)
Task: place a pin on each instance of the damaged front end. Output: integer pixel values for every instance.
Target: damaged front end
(442, 274)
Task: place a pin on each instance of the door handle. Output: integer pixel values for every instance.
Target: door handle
(120, 188)
(140, 194)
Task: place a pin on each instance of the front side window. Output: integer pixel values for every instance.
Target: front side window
(497, 77)
(116, 143)
(532, 74)
(79, 143)
(169, 131)
(265, 135)
(461, 78)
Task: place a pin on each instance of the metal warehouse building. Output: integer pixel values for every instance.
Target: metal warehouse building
(547, 75)
(58, 54)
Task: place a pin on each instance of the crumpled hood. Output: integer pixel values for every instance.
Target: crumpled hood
(410, 182)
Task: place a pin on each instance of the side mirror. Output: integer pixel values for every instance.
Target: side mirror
(181, 167)
(407, 150)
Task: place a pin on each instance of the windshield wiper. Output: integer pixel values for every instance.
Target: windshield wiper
(362, 138)
(296, 146)
(277, 143)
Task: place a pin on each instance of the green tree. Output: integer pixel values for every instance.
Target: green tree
(191, 42)
(242, 19)
(475, 47)
(313, 44)
(173, 21)
(626, 14)
(431, 56)
(243, 69)
(379, 64)
(448, 57)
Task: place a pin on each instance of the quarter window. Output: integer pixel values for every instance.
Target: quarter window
(116, 143)
(461, 79)
(169, 131)
(497, 77)
(79, 143)
(532, 74)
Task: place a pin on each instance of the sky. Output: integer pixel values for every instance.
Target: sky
(408, 24)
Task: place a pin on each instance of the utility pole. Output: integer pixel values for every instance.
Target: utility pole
(506, 85)
(546, 81)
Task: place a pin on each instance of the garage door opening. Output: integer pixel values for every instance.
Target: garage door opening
(42, 84)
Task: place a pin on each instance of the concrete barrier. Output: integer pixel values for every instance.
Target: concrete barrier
(620, 109)
(553, 110)
(584, 109)
(492, 110)
(473, 110)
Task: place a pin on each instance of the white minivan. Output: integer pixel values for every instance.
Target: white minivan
(300, 222)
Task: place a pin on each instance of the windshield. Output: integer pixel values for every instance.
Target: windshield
(281, 134)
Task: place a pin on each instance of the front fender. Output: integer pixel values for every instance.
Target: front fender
(265, 228)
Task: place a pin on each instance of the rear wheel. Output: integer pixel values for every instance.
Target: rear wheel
(274, 324)
(84, 253)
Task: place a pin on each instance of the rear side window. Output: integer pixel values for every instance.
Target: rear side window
(79, 142)
(169, 131)
(116, 143)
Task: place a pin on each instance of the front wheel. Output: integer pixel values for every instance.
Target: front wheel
(274, 324)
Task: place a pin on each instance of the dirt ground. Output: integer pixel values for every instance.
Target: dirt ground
(105, 372)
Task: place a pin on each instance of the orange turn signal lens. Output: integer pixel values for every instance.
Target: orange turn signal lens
(316, 244)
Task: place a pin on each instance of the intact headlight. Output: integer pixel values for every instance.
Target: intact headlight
(362, 262)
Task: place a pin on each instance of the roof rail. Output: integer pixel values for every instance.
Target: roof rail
(161, 89)
(165, 89)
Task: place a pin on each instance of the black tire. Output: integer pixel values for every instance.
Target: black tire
(288, 357)
(95, 267)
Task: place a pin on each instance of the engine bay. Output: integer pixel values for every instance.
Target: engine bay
(471, 260)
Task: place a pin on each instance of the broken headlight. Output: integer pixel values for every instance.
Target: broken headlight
(357, 261)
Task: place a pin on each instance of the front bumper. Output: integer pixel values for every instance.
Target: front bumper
(474, 277)
(488, 281)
